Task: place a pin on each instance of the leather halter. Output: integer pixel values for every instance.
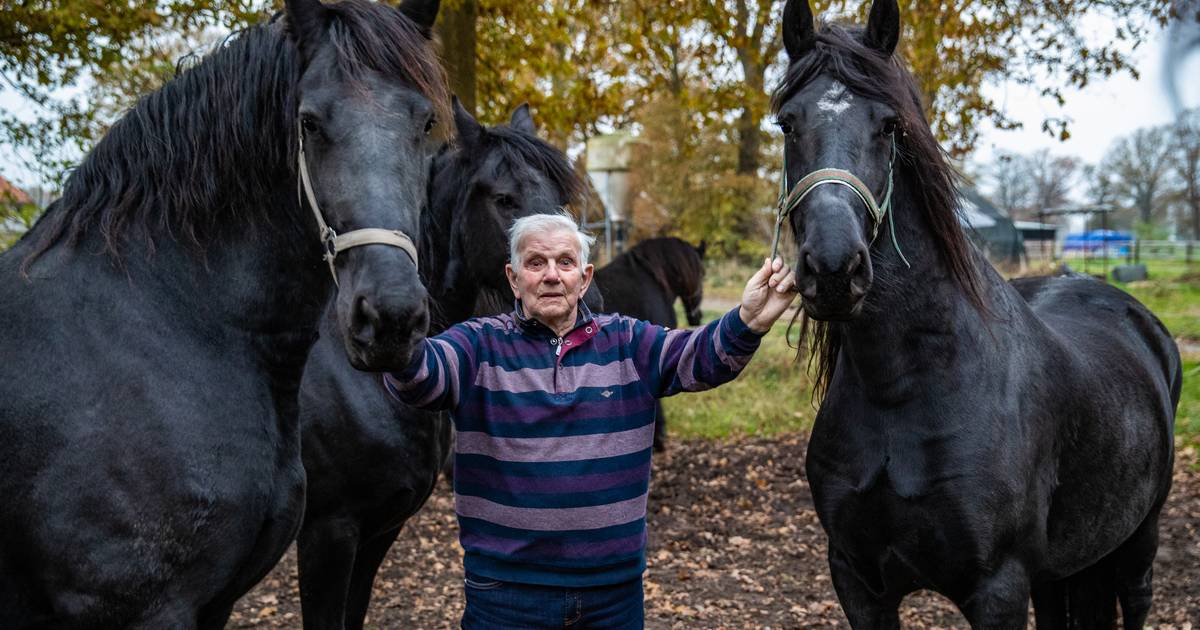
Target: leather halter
(334, 243)
(788, 201)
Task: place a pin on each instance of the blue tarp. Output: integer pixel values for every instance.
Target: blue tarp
(1113, 240)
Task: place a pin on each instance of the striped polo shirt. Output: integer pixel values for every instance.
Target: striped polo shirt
(552, 461)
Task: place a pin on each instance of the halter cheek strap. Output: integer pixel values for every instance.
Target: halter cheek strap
(334, 243)
(788, 201)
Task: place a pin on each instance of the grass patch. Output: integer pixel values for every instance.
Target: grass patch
(1187, 418)
(771, 396)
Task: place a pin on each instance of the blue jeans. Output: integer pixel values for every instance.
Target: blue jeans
(494, 605)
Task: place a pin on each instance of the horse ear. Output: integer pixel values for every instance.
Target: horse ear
(423, 12)
(307, 20)
(701, 248)
(799, 32)
(883, 27)
(522, 120)
(469, 129)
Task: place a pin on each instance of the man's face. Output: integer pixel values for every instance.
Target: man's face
(550, 281)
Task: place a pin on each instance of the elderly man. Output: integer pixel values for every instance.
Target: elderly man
(554, 408)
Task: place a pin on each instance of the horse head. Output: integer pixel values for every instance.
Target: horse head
(370, 99)
(495, 176)
(834, 134)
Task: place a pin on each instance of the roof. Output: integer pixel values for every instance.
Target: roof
(9, 192)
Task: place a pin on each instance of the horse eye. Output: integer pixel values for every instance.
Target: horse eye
(429, 125)
(309, 124)
(505, 201)
(889, 127)
(785, 128)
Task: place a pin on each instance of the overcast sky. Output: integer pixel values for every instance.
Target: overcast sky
(1101, 113)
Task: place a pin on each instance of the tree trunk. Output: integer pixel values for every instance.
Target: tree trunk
(749, 142)
(749, 134)
(456, 29)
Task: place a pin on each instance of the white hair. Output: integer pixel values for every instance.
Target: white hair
(544, 224)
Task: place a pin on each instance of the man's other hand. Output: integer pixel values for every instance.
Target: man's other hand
(768, 294)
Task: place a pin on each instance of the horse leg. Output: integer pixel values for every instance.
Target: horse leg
(366, 566)
(1050, 605)
(1135, 570)
(214, 618)
(864, 609)
(1000, 600)
(1092, 596)
(325, 553)
(660, 427)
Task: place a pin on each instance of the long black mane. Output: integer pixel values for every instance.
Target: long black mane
(201, 151)
(921, 163)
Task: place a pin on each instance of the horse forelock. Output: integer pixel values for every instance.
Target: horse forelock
(519, 147)
(374, 36)
(931, 180)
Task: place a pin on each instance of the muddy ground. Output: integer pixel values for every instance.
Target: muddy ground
(734, 543)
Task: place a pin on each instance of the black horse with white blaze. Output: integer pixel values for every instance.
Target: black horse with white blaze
(985, 440)
(371, 460)
(159, 317)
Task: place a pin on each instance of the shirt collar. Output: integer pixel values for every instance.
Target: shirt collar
(529, 324)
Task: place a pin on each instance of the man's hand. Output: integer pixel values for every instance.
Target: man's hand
(768, 294)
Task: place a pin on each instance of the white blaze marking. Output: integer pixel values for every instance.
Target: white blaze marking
(835, 100)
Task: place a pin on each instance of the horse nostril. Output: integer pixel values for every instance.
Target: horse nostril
(854, 264)
(810, 264)
(365, 319)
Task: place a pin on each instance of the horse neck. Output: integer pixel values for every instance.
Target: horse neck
(258, 277)
(910, 311)
(444, 271)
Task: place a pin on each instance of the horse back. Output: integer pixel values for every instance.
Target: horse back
(630, 291)
(1109, 325)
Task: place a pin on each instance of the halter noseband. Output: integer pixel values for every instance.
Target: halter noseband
(788, 201)
(334, 243)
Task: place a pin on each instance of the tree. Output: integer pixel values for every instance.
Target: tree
(1139, 165)
(456, 30)
(47, 46)
(1011, 189)
(1051, 178)
(956, 48)
(1185, 164)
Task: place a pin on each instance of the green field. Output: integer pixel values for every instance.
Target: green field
(773, 395)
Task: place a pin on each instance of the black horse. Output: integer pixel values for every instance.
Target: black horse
(372, 461)
(159, 317)
(983, 440)
(645, 281)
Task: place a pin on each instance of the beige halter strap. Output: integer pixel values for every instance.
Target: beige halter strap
(335, 243)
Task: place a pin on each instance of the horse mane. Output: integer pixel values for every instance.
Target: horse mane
(840, 53)
(197, 153)
(518, 146)
(666, 255)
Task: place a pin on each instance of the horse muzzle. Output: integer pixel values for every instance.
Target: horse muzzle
(833, 282)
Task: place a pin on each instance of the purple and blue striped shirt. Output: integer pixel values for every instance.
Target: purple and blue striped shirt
(552, 462)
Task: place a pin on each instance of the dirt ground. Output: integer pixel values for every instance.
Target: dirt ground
(734, 543)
